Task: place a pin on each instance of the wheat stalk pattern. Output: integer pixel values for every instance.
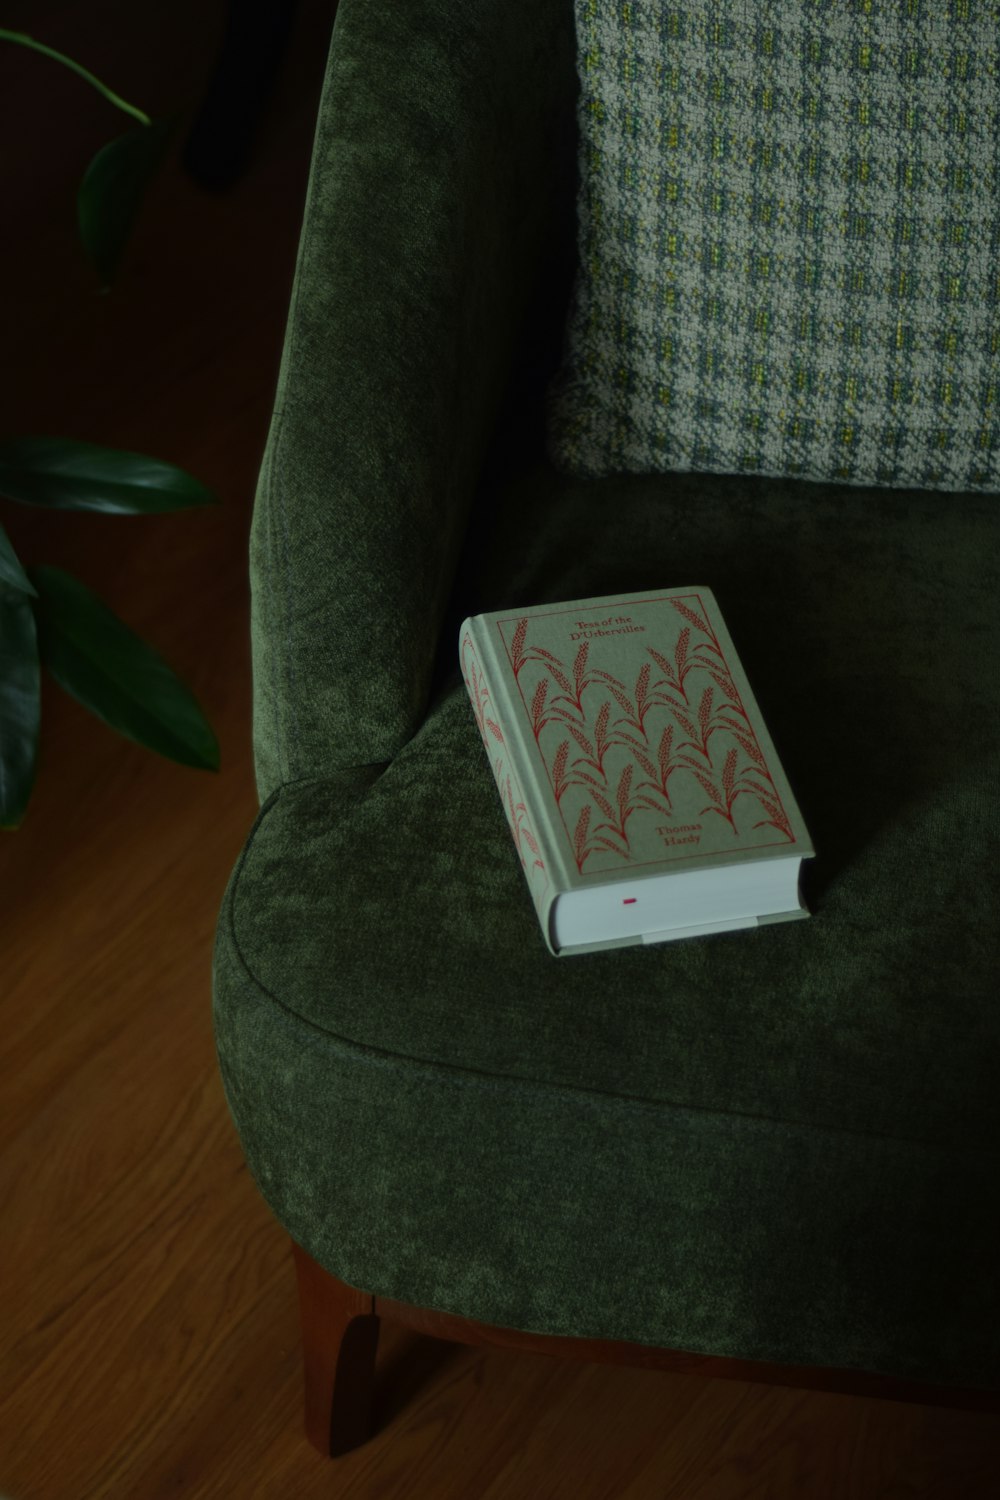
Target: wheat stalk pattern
(614, 753)
(510, 796)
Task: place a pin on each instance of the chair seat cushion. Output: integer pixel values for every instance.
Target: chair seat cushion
(780, 1144)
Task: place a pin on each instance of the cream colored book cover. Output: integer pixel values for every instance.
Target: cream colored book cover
(643, 792)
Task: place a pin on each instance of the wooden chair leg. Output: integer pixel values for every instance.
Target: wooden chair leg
(339, 1343)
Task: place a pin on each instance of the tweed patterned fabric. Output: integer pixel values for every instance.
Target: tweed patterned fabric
(790, 242)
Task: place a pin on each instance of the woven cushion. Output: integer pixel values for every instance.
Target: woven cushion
(790, 242)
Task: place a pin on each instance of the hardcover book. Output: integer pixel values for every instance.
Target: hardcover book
(643, 792)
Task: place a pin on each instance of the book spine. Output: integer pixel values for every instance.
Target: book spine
(504, 736)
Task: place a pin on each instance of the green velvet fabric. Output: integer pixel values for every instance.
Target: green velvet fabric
(781, 1144)
(428, 196)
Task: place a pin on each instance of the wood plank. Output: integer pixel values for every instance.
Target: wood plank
(148, 1320)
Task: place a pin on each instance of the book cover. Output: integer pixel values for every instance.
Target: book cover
(625, 742)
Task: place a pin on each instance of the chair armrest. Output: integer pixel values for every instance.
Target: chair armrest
(426, 213)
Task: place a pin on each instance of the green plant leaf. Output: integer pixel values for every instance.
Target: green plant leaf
(113, 672)
(21, 40)
(112, 190)
(66, 475)
(12, 575)
(20, 706)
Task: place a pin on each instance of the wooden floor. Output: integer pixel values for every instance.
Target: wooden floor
(148, 1342)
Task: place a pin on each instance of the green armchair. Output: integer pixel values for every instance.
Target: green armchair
(771, 1153)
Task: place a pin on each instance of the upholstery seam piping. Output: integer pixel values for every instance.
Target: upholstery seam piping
(446, 1075)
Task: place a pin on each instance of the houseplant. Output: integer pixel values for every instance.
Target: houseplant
(48, 617)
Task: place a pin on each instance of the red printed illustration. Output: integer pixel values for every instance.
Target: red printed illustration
(496, 748)
(620, 755)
